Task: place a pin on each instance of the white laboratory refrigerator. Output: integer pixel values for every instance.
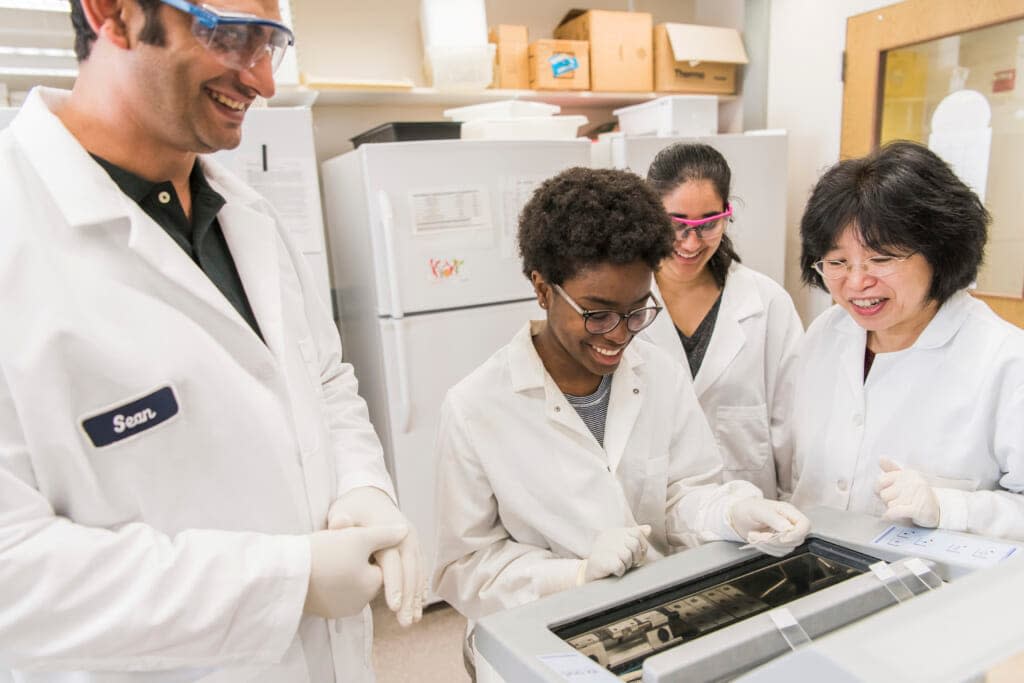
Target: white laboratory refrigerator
(277, 159)
(427, 279)
(758, 164)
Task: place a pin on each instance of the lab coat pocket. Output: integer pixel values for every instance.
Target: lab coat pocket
(743, 436)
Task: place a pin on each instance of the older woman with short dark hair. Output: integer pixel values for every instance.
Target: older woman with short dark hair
(909, 392)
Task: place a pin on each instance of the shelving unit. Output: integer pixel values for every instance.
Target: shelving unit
(431, 97)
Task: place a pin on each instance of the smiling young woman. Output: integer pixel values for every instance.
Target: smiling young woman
(733, 328)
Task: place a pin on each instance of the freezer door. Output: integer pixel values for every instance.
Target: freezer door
(425, 355)
(758, 164)
(444, 215)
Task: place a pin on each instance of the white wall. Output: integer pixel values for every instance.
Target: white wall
(805, 96)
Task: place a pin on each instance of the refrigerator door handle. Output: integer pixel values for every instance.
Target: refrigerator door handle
(404, 412)
(387, 221)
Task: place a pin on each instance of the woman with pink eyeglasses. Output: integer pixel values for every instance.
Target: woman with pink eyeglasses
(734, 328)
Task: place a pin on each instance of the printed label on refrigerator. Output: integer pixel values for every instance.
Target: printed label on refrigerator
(515, 192)
(439, 210)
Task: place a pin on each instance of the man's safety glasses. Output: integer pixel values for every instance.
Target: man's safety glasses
(603, 322)
(704, 227)
(238, 40)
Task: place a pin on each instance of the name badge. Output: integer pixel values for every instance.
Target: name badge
(131, 418)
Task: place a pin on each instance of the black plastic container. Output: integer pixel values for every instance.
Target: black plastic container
(404, 131)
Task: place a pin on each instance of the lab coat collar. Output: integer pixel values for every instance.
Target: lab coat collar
(942, 328)
(740, 300)
(83, 192)
(527, 372)
(526, 369)
(87, 196)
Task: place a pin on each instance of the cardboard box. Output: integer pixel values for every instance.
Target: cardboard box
(621, 56)
(559, 65)
(697, 59)
(512, 62)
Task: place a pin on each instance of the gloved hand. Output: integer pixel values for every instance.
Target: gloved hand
(615, 551)
(341, 579)
(774, 527)
(907, 495)
(405, 581)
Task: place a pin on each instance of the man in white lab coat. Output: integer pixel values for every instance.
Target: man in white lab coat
(577, 452)
(177, 428)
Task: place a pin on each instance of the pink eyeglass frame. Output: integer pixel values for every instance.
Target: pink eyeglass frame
(696, 223)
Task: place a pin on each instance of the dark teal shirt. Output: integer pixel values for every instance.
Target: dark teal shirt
(202, 239)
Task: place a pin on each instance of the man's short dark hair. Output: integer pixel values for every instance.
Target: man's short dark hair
(901, 199)
(152, 30)
(585, 217)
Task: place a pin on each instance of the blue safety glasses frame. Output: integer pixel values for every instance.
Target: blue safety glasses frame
(240, 41)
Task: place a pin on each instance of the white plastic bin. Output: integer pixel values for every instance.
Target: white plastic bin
(503, 109)
(460, 67)
(525, 128)
(676, 115)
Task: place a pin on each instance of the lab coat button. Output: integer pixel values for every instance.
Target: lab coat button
(164, 197)
(558, 409)
(842, 485)
(636, 391)
(858, 419)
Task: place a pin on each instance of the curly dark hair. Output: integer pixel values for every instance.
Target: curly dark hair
(585, 217)
(153, 32)
(685, 161)
(901, 198)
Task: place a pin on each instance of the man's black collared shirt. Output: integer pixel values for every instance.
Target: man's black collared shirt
(201, 238)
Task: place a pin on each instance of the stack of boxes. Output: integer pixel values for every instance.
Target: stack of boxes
(613, 51)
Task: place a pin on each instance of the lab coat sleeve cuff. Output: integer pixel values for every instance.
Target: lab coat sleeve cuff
(357, 480)
(717, 526)
(285, 609)
(953, 510)
(557, 575)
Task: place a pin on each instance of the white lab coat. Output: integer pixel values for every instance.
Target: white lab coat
(950, 406)
(178, 552)
(523, 487)
(744, 383)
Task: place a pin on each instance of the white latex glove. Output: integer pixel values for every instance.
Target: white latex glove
(341, 579)
(615, 551)
(773, 527)
(405, 579)
(907, 495)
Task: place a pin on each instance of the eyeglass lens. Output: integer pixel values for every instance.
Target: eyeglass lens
(602, 322)
(243, 45)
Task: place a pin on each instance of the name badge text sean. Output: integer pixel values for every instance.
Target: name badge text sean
(129, 419)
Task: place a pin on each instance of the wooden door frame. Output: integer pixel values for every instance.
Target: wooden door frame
(870, 35)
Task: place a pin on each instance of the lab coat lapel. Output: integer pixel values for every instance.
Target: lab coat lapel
(740, 300)
(623, 407)
(149, 241)
(854, 340)
(252, 239)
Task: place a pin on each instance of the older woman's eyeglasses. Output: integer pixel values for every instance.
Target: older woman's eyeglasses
(604, 321)
(876, 266)
(709, 226)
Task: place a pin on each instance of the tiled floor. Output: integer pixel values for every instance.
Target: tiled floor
(430, 651)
